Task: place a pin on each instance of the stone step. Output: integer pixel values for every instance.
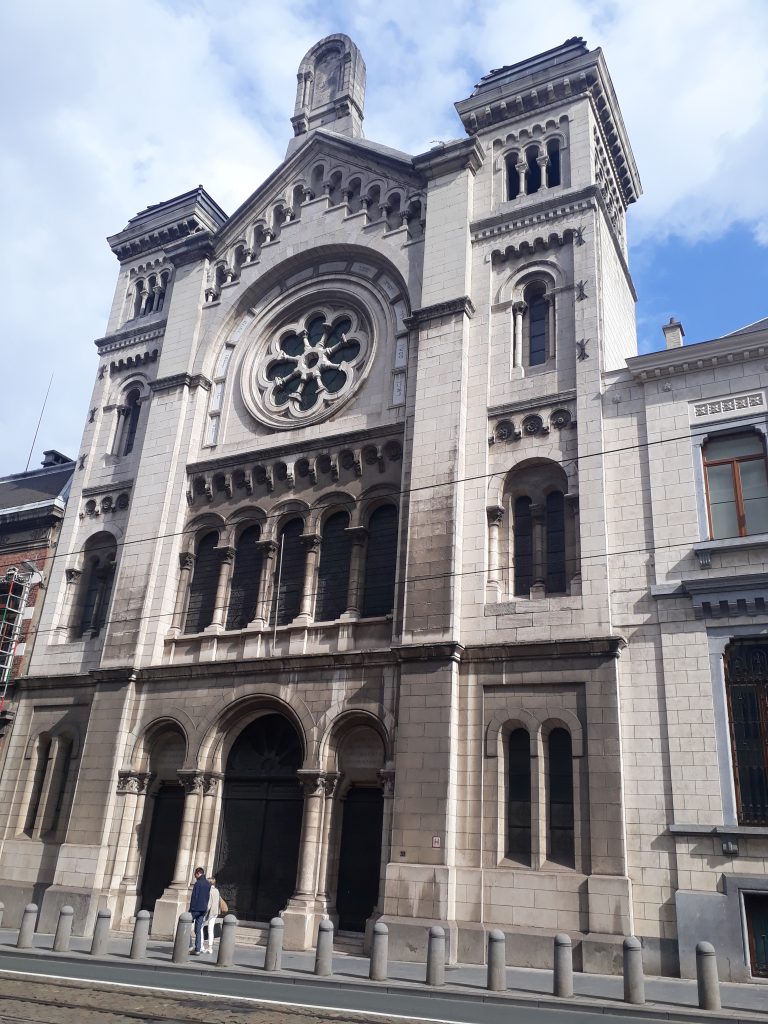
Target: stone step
(251, 934)
(348, 942)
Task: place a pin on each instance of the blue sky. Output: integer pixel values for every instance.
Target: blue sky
(108, 108)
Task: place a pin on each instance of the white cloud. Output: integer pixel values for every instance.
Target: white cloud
(115, 107)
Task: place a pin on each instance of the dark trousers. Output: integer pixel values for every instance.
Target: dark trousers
(198, 917)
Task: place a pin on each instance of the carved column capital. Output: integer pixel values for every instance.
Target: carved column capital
(227, 554)
(495, 515)
(357, 534)
(311, 781)
(387, 778)
(311, 541)
(520, 308)
(73, 575)
(133, 783)
(187, 560)
(331, 784)
(192, 780)
(268, 547)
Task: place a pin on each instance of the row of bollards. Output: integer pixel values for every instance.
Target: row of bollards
(562, 976)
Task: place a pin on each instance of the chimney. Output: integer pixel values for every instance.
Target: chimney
(673, 333)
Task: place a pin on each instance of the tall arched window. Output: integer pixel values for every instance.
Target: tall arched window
(333, 571)
(289, 575)
(553, 170)
(523, 540)
(538, 324)
(205, 579)
(98, 577)
(513, 176)
(533, 175)
(43, 753)
(380, 562)
(519, 796)
(244, 591)
(132, 413)
(561, 838)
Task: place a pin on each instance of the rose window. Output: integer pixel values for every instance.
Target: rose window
(312, 365)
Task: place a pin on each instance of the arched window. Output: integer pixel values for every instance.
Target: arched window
(246, 575)
(746, 679)
(43, 754)
(139, 294)
(519, 796)
(131, 414)
(380, 562)
(97, 580)
(289, 575)
(533, 175)
(523, 539)
(737, 485)
(333, 571)
(513, 176)
(553, 170)
(555, 541)
(205, 579)
(216, 400)
(561, 838)
(538, 324)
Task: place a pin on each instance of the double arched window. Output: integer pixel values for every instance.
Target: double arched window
(96, 581)
(149, 293)
(524, 810)
(343, 571)
(128, 419)
(533, 324)
(49, 790)
(544, 533)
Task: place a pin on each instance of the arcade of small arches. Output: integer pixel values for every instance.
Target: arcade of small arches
(148, 294)
(394, 207)
(279, 820)
(533, 168)
(335, 561)
(533, 534)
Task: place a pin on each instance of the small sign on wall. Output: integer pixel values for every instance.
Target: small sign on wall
(436, 842)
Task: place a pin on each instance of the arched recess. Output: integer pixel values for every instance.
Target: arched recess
(357, 748)
(260, 831)
(163, 751)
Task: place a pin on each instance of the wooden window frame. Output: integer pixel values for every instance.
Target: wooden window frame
(733, 462)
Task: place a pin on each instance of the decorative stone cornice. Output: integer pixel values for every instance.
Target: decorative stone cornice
(94, 492)
(705, 355)
(721, 596)
(462, 306)
(180, 380)
(141, 334)
(450, 157)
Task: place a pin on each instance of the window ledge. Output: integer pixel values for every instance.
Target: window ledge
(531, 605)
(704, 550)
(747, 831)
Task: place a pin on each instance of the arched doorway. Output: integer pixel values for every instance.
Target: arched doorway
(261, 819)
(165, 759)
(360, 756)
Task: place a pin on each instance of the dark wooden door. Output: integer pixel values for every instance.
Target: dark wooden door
(359, 857)
(756, 907)
(261, 820)
(163, 844)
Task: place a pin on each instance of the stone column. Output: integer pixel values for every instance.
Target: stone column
(211, 782)
(313, 784)
(573, 543)
(222, 587)
(522, 172)
(267, 585)
(551, 347)
(495, 516)
(132, 786)
(543, 162)
(358, 537)
(331, 785)
(186, 568)
(306, 608)
(69, 611)
(192, 781)
(519, 310)
(539, 587)
(387, 776)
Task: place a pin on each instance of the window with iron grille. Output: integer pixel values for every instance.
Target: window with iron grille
(746, 679)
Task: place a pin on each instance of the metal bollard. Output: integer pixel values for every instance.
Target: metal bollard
(634, 979)
(140, 935)
(182, 938)
(100, 940)
(436, 956)
(562, 977)
(324, 955)
(273, 958)
(379, 952)
(497, 961)
(2, 908)
(706, 976)
(63, 930)
(26, 939)
(226, 955)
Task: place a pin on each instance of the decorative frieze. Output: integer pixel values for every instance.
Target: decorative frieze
(533, 424)
(728, 407)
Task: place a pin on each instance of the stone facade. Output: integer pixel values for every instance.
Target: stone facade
(386, 588)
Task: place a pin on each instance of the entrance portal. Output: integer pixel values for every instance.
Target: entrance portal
(163, 843)
(261, 820)
(359, 857)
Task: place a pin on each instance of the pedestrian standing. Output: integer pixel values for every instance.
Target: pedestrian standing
(198, 906)
(216, 906)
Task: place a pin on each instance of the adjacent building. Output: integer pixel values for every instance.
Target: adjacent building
(393, 583)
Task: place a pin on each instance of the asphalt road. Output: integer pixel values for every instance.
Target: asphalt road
(61, 992)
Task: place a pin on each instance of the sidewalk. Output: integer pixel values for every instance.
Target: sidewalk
(665, 997)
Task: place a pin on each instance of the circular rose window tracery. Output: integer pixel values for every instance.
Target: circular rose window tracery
(311, 365)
